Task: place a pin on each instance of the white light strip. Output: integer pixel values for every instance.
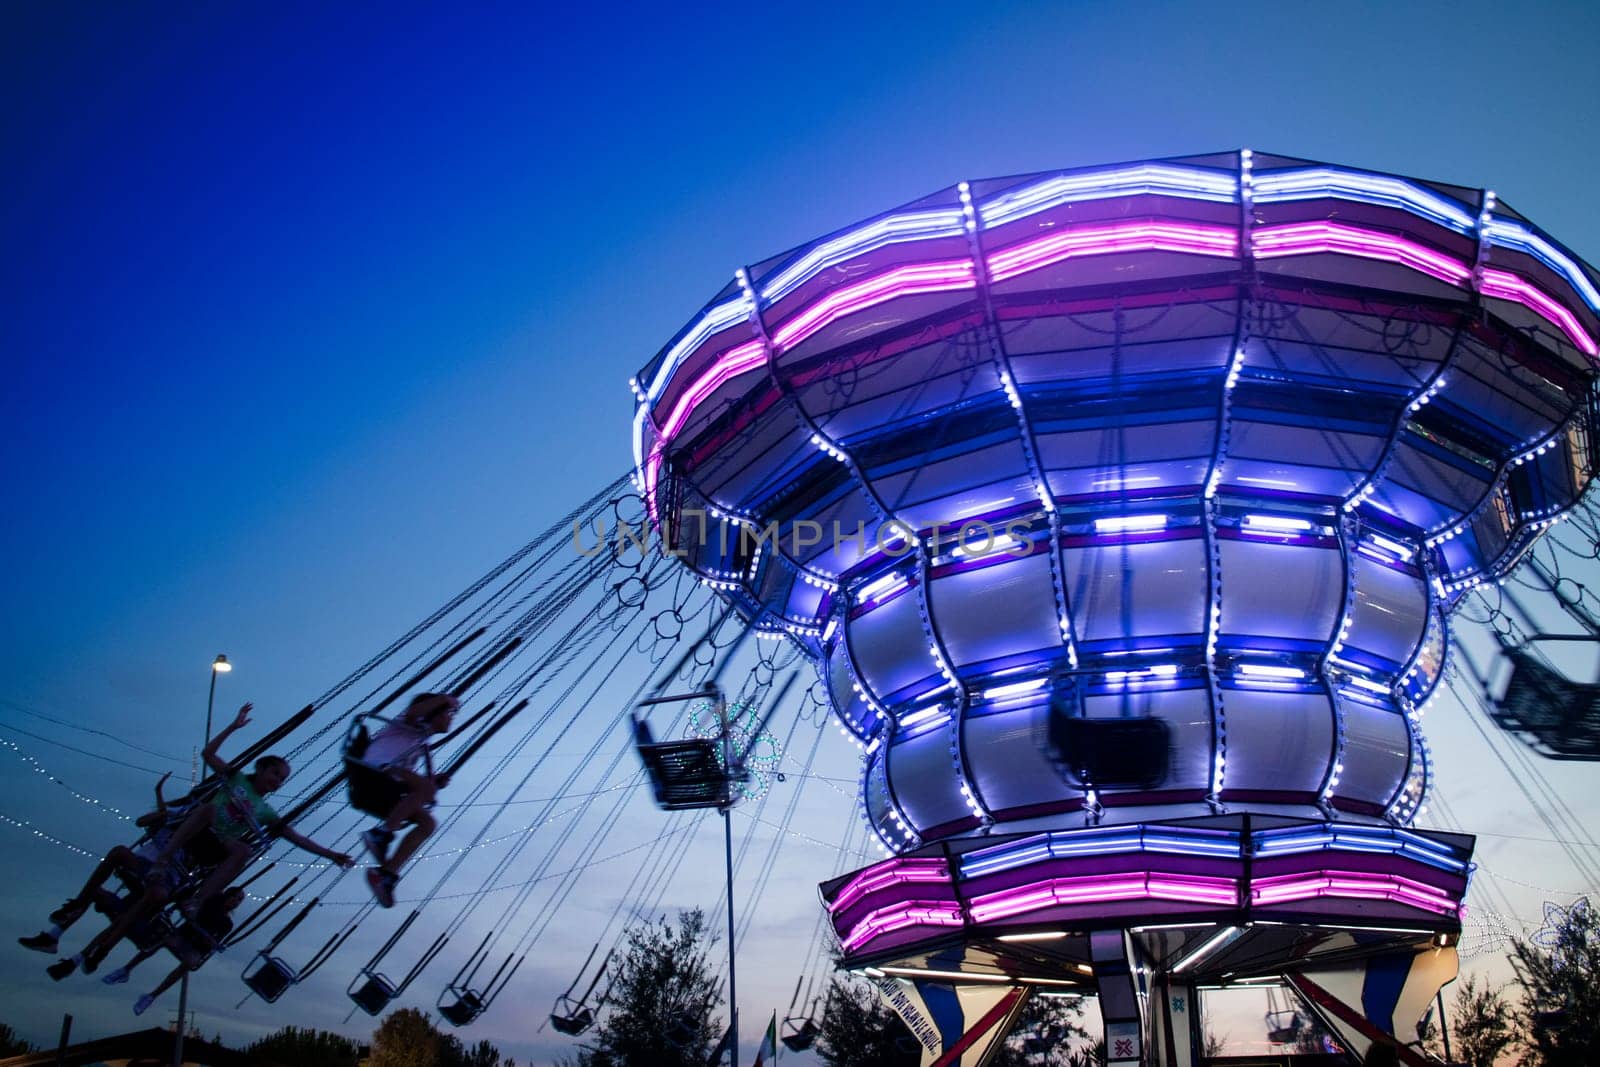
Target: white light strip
(1120, 523)
(1267, 670)
(1015, 689)
(949, 976)
(1043, 935)
(1211, 944)
(1275, 522)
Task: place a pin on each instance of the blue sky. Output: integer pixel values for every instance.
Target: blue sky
(313, 312)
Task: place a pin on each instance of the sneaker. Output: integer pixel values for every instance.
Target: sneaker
(60, 969)
(143, 1003)
(378, 839)
(116, 977)
(68, 913)
(382, 884)
(44, 942)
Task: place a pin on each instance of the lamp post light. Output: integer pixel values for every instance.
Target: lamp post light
(220, 665)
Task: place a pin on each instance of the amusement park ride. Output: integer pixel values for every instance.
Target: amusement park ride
(1124, 511)
(1128, 515)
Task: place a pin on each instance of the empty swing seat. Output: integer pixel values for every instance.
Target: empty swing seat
(464, 1009)
(1131, 753)
(373, 995)
(572, 1023)
(799, 1038)
(1564, 715)
(271, 979)
(684, 774)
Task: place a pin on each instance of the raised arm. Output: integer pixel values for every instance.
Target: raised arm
(159, 815)
(214, 761)
(299, 840)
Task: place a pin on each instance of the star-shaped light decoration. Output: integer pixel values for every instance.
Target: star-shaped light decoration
(1557, 918)
(762, 752)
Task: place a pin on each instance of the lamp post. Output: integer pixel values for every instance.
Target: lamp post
(220, 665)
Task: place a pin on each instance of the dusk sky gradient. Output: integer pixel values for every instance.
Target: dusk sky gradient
(315, 312)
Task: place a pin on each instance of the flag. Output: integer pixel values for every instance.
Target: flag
(767, 1051)
(721, 1050)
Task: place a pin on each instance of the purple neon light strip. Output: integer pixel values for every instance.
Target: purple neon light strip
(891, 873)
(1104, 888)
(899, 917)
(1508, 286)
(901, 281)
(1103, 240)
(1287, 888)
(1302, 238)
(1292, 239)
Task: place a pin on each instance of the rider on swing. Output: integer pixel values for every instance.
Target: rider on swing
(394, 775)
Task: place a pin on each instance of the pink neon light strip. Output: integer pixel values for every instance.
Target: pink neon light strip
(884, 875)
(1302, 238)
(901, 281)
(1508, 286)
(898, 917)
(1120, 237)
(1268, 242)
(1103, 888)
(732, 363)
(1284, 889)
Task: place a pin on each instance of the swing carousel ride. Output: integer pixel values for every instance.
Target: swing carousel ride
(1125, 520)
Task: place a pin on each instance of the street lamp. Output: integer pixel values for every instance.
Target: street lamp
(220, 665)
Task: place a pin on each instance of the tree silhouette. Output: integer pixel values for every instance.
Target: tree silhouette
(1561, 998)
(663, 994)
(11, 1044)
(1483, 1024)
(859, 1030)
(305, 1047)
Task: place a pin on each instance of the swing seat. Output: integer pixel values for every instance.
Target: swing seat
(1564, 715)
(799, 1036)
(1130, 753)
(574, 1023)
(373, 995)
(685, 775)
(152, 933)
(464, 1009)
(271, 979)
(1283, 1027)
(371, 790)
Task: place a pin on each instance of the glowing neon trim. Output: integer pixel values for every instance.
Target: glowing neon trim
(1123, 523)
(895, 229)
(1508, 286)
(1304, 238)
(909, 280)
(1351, 885)
(731, 364)
(1276, 522)
(714, 320)
(1106, 240)
(1515, 236)
(1015, 689)
(1146, 178)
(1315, 183)
(1103, 888)
(884, 875)
(1267, 670)
(1267, 242)
(899, 917)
